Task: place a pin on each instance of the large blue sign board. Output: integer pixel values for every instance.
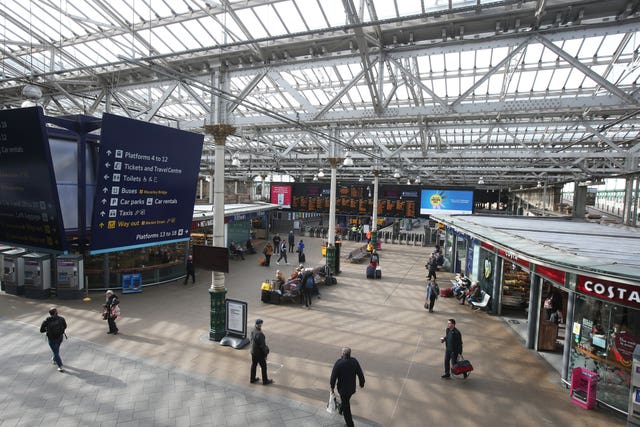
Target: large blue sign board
(29, 208)
(146, 185)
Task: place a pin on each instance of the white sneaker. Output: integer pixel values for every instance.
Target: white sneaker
(60, 369)
(53, 362)
(277, 262)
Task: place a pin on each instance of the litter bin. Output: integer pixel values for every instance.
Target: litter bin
(583, 387)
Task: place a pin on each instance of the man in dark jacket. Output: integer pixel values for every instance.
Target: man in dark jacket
(453, 347)
(191, 270)
(344, 371)
(259, 353)
(54, 326)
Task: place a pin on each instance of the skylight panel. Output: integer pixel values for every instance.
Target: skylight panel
(533, 53)
(494, 87)
(171, 44)
(385, 9)
(590, 47)
(572, 47)
(439, 87)
(159, 40)
(437, 63)
(184, 36)
(333, 10)
(483, 58)
(290, 16)
(542, 80)
(452, 61)
(312, 14)
(252, 24)
(409, 7)
(610, 45)
(270, 19)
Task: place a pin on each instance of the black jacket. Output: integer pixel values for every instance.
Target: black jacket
(259, 346)
(45, 326)
(345, 371)
(453, 340)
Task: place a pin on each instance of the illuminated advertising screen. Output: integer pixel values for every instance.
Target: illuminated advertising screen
(446, 202)
(281, 195)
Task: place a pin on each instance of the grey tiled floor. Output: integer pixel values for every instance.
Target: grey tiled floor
(101, 388)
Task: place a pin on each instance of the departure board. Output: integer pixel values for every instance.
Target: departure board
(29, 206)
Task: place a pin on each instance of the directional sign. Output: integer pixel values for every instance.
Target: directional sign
(29, 207)
(146, 185)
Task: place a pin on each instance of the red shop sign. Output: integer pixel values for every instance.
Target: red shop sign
(619, 293)
(513, 257)
(551, 273)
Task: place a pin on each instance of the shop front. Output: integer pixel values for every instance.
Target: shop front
(604, 333)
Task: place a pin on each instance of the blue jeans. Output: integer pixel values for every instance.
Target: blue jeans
(54, 343)
(450, 357)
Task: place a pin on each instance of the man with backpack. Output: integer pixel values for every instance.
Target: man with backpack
(54, 326)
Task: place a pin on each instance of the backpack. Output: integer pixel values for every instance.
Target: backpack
(55, 327)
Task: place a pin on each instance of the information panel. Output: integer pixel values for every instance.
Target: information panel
(146, 185)
(29, 206)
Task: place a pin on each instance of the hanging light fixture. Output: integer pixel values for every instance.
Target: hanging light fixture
(235, 161)
(396, 174)
(539, 184)
(481, 181)
(361, 179)
(418, 180)
(315, 177)
(408, 181)
(348, 161)
(320, 173)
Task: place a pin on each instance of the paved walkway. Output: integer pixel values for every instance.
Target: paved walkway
(163, 370)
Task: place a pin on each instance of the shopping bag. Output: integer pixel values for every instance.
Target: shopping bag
(461, 366)
(332, 405)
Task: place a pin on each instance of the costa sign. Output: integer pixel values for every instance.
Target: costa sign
(619, 293)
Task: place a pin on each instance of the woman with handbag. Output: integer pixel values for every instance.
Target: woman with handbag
(111, 310)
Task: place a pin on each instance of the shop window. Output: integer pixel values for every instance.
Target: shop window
(515, 286)
(603, 339)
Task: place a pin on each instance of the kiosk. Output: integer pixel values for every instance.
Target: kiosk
(3, 249)
(13, 271)
(37, 275)
(70, 276)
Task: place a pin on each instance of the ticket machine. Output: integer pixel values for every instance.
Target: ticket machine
(70, 276)
(3, 249)
(37, 275)
(633, 419)
(13, 271)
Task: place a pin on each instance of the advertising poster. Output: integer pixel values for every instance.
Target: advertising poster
(146, 185)
(281, 195)
(446, 202)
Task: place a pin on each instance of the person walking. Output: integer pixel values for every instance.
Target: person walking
(112, 302)
(432, 266)
(344, 372)
(191, 271)
(283, 253)
(432, 294)
(306, 288)
(259, 353)
(267, 251)
(300, 250)
(453, 347)
(276, 243)
(292, 241)
(54, 326)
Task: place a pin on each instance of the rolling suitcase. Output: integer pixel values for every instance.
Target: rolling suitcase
(265, 296)
(378, 273)
(371, 272)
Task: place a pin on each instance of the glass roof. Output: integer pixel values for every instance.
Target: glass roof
(513, 91)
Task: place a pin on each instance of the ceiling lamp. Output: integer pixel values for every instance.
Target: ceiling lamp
(361, 179)
(408, 181)
(396, 174)
(539, 185)
(315, 177)
(481, 181)
(32, 92)
(418, 180)
(235, 161)
(348, 161)
(320, 173)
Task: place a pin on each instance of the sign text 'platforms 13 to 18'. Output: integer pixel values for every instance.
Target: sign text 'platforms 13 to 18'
(146, 184)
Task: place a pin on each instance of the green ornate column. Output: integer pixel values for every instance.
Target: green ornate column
(218, 291)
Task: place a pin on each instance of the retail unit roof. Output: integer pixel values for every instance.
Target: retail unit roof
(230, 209)
(492, 94)
(610, 249)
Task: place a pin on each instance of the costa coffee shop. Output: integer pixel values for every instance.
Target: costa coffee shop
(590, 270)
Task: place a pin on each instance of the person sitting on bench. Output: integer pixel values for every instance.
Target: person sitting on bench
(236, 249)
(475, 293)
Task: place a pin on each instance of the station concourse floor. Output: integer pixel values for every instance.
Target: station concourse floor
(162, 369)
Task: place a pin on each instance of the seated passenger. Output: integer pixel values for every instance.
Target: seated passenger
(235, 249)
(475, 293)
(250, 248)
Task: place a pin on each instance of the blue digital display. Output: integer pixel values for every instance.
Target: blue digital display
(29, 204)
(446, 202)
(146, 185)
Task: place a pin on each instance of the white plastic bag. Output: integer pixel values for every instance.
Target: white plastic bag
(332, 406)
